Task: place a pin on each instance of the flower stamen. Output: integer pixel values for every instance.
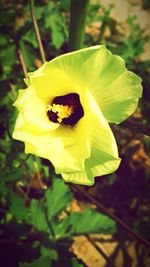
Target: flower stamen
(65, 109)
(60, 111)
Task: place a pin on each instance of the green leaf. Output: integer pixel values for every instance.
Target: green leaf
(58, 197)
(8, 176)
(38, 218)
(3, 40)
(75, 263)
(30, 37)
(31, 163)
(41, 262)
(4, 190)
(58, 29)
(8, 55)
(28, 55)
(89, 221)
(31, 160)
(57, 38)
(39, 10)
(17, 208)
(52, 253)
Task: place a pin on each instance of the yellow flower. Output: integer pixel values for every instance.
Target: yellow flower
(65, 110)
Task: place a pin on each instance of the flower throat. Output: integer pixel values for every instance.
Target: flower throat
(65, 109)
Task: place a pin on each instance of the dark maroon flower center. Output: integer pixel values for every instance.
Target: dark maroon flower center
(71, 103)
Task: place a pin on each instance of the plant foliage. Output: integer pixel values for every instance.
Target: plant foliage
(36, 206)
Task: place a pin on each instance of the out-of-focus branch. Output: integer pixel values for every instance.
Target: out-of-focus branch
(100, 251)
(22, 62)
(37, 32)
(126, 227)
(136, 127)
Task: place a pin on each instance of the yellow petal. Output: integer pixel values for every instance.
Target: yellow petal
(33, 109)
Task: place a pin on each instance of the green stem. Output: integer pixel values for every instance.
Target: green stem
(37, 32)
(78, 12)
(50, 225)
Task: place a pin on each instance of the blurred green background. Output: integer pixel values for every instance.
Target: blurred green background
(45, 222)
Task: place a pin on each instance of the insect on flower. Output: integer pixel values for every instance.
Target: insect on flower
(65, 111)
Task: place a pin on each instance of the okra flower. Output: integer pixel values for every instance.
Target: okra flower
(65, 110)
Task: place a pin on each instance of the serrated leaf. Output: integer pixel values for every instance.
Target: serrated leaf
(17, 208)
(40, 11)
(87, 221)
(57, 38)
(52, 253)
(58, 197)
(41, 262)
(38, 218)
(30, 37)
(57, 25)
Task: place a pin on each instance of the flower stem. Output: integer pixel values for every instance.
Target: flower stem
(78, 12)
(37, 32)
(22, 62)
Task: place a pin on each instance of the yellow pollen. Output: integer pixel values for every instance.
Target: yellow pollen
(63, 111)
